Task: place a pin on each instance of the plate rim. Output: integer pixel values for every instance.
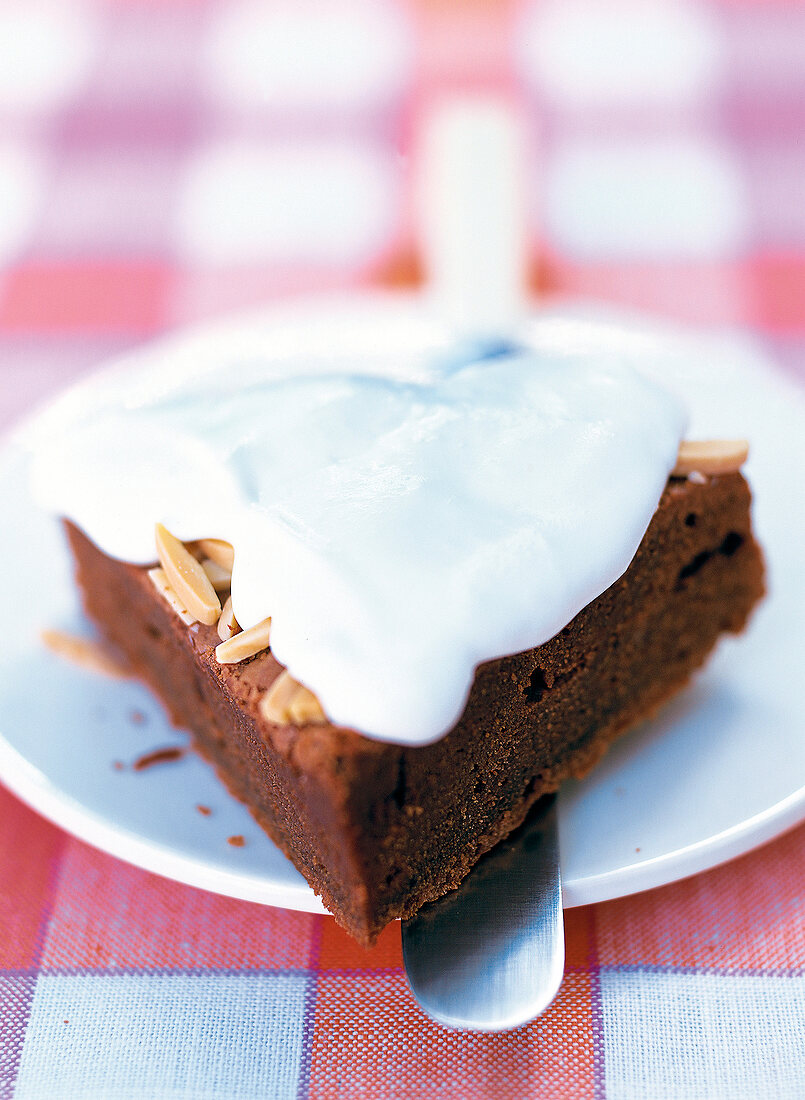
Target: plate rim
(28, 783)
(664, 870)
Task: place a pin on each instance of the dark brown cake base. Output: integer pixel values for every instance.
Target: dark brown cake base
(379, 829)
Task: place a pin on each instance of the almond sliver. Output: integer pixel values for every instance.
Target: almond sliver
(187, 578)
(227, 624)
(218, 551)
(287, 702)
(710, 456)
(245, 644)
(220, 578)
(159, 580)
(90, 655)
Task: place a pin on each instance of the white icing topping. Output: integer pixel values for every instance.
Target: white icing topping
(401, 508)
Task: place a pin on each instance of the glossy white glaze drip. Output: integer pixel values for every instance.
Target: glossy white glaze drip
(403, 509)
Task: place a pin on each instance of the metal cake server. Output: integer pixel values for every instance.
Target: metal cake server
(490, 955)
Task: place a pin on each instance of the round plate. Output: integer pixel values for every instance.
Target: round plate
(721, 771)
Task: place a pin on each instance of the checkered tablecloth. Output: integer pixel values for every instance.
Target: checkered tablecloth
(166, 160)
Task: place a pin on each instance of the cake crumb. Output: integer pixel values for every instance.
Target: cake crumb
(138, 718)
(204, 810)
(88, 654)
(118, 765)
(158, 756)
(236, 841)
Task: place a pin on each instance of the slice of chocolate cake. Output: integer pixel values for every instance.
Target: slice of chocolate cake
(378, 829)
(474, 561)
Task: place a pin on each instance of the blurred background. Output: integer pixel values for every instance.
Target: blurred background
(163, 161)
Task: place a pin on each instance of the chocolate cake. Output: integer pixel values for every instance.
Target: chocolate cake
(379, 829)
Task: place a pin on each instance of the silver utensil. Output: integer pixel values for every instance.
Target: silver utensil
(490, 955)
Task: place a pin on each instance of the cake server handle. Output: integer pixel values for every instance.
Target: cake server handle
(490, 955)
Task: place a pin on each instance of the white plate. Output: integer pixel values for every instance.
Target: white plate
(721, 771)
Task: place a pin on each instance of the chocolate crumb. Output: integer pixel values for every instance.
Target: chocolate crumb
(158, 756)
(205, 810)
(236, 841)
(118, 765)
(138, 718)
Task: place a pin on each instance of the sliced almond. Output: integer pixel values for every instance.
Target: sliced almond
(220, 578)
(84, 652)
(218, 551)
(287, 702)
(187, 578)
(193, 548)
(710, 456)
(227, 624)
(245, 644)
(159, 579)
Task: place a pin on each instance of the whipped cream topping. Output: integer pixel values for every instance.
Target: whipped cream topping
(403, 508)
